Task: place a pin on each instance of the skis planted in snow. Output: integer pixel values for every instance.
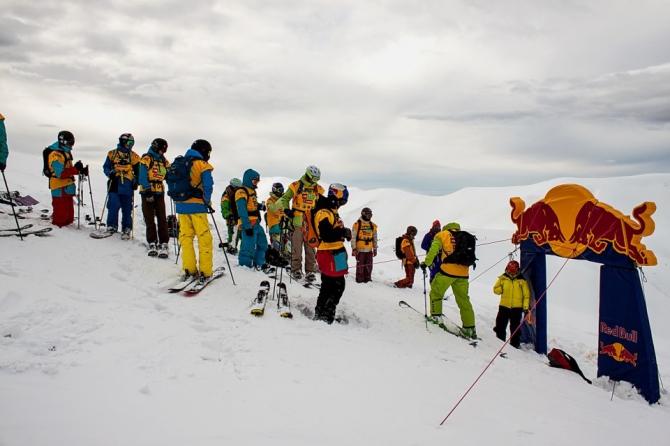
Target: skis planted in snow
(261, 299)
(283, 304)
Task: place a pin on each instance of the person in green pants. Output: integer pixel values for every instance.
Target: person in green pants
(450, 275)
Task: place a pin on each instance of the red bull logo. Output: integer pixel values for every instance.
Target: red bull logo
(618, 352)
(571, 220)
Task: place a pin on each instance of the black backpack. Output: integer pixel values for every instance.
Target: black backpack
(46, 167)
(178, 179)
(464, 249)
(230, 192)
(560, 359)
(398, 248)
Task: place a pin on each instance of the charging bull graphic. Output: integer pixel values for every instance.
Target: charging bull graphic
(571, 220)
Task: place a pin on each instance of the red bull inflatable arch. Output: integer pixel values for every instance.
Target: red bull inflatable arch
(570, 222)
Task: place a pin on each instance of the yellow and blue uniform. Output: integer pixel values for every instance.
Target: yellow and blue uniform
(254, 242)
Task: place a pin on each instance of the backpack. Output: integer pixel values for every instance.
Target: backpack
(178, 179)
(230, 192)
(464, 249)
(46, 167)
(398, 248)
(560, 359)
(309, 234)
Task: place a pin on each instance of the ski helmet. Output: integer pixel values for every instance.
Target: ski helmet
(339, 192)
(66, 138)
(366, 211)
(512, 267)
(412, 231)
(159, 145)
(236, 182)
(126, 140)
(278, 189)
(313, 172)
(203, 147)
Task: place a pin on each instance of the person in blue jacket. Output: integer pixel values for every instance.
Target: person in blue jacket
(122, 168)
(254, 242)
(425, 245)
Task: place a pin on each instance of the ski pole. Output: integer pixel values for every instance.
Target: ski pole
(9, 196)
(425, 298)
(104, 205)
(90, 192)
(223, 249)
(78, 200)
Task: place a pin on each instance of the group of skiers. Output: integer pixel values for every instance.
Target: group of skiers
(304, 204)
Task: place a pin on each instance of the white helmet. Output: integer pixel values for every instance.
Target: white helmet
(313, 172)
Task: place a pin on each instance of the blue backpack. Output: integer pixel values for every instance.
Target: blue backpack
(178, 179)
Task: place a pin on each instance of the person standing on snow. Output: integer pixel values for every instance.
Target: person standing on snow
(193, 215)
(153, 168)
(331, 255)
(227, 203)
(410, 261)
(273, 218)
(304, 194)
(61, 179)
(450, 275)
(4, 150)
(122, 167)
(254, 242)
(425, 245)
(364, 245)
(514, 301)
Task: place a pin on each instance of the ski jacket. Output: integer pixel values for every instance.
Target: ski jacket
(274, 213)
(247, 201)
(60, 162)
(428, 239)
(304, 194)
(4, 151)
(445, 241)
(153, 168)
(364, 236)
(407, 247)
(513, 291)
(201, 178)
(329, 229)
(122, 168)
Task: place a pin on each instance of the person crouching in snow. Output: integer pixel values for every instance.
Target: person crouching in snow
(514, 300)
(331, 255)
(410, 261)
(254, 242)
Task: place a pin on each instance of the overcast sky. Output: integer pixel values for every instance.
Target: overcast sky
(426, 96)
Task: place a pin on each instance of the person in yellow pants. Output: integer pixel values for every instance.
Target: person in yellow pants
(450, 275)
(193, 214)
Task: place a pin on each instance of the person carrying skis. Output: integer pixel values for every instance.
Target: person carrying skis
(227, 204)
(61, 179)
(331, 255)
(514, 300)
(425, 245)
(153, 167)
(193, 215)
(410, 261)
(303, 195)
(364, 245)
(450, 275)
(4, 150)
(122, 168)
(254, 242)
(273, 218)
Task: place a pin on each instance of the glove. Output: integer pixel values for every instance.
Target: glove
(84, 171)
(113, 173)
(223, 245)
(374, 252)
(135, 185)
(149, 196)
(262, 207)
(289, 213)
(79, 166)
(354, 252)
(416, 263)
(2, 167)
(423, 266)
(210, 209)
(347, 234)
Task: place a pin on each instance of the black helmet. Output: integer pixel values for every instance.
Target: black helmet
(66, 138)
(203, 147)
(278, 189)
(127, 140)
(412, 231)
(159, 145)
(365, 211)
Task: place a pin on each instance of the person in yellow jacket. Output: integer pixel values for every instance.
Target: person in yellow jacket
(450, 275)
(410, 261)
(364, 245)
(254, 242)
(514, 300)
(279, 252)
(303, 195)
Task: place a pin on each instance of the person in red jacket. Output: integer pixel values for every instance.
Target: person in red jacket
(61, 179)
(410, 261)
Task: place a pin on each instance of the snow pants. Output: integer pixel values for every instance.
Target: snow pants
(513, 317)
(191, 226)
(125, 204)
(154, 212)
(460, 286)
(364, 267)
(63, 213)
(297, 244)
(408, 281)
(253, 247)
(332, 289)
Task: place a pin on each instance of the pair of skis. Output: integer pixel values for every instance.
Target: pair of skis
(24, 230)
(191, 286)
(449, 327)
(261, 300)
